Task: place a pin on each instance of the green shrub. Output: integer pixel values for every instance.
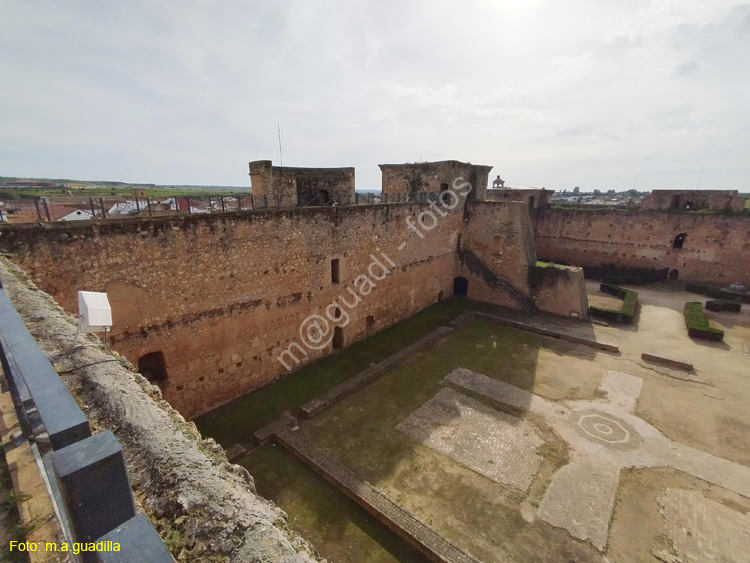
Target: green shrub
(625, 313)
(715, 291)
(697, 323)
(718, 305)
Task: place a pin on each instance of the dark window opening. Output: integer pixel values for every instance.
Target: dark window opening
(460, 287)
(441, 295)
(679, 240)
(153, 367)
(445, 197)
(337, 313)
(531, 204)
(324, 198)
(370, 321)
(338, 338)
(335, 270)
(674, 274)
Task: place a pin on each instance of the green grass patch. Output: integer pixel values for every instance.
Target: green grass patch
(624, 314)
(236, 421)
(697, 323)
(336, 525)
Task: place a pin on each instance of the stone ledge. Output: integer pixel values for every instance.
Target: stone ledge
(606, 346)
(322, 402)
(431, 543)
(665, 361)
(265, 434)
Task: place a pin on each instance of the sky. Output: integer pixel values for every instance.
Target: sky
(600, 94)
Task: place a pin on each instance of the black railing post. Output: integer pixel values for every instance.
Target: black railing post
(95, 486)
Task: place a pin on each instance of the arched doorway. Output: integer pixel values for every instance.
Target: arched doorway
(441, 295)
(460, 287)
(674, 274)
(324, 198)
(153, 367)
(679, 240)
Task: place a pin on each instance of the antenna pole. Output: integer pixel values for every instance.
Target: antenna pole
(700, 178)
(281, 155)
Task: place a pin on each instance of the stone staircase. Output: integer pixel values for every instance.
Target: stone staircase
(475, 264)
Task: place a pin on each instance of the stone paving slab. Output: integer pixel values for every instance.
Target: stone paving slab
(703, 530)
(504, 393)
(603, 436)
(622, 389)
(429, 541)
(580, 499)
(494, 444)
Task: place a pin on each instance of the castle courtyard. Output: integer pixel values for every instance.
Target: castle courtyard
(517, 446)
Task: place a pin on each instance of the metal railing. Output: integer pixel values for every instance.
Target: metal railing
(85, 474)
(82, 208)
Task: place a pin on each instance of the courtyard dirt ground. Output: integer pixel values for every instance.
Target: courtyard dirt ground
(521, 447)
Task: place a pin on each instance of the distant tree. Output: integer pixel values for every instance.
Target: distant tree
(597, 192)
(576, 190)
(610, 192)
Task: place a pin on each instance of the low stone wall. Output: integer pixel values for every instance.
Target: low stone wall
(561, 290)
(318, 404)
(432, 544)
(204, 507)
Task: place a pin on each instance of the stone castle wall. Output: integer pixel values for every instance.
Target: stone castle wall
(716, 247)
(277, 186)
(496, 241)
(222, 296)
(434, 177)
(718, 200)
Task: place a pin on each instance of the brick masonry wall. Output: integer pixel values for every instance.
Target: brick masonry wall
(221, 296)
(716, 248)
(562, 291)
(280, 186)
(722, 200)
(434, 177)
(499, 234)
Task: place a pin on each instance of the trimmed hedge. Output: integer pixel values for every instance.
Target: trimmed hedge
(719, 305)
(625, 313)
(715, 291)
(609, 273)
(697, 323)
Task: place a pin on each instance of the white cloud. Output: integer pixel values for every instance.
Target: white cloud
(585, 92)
